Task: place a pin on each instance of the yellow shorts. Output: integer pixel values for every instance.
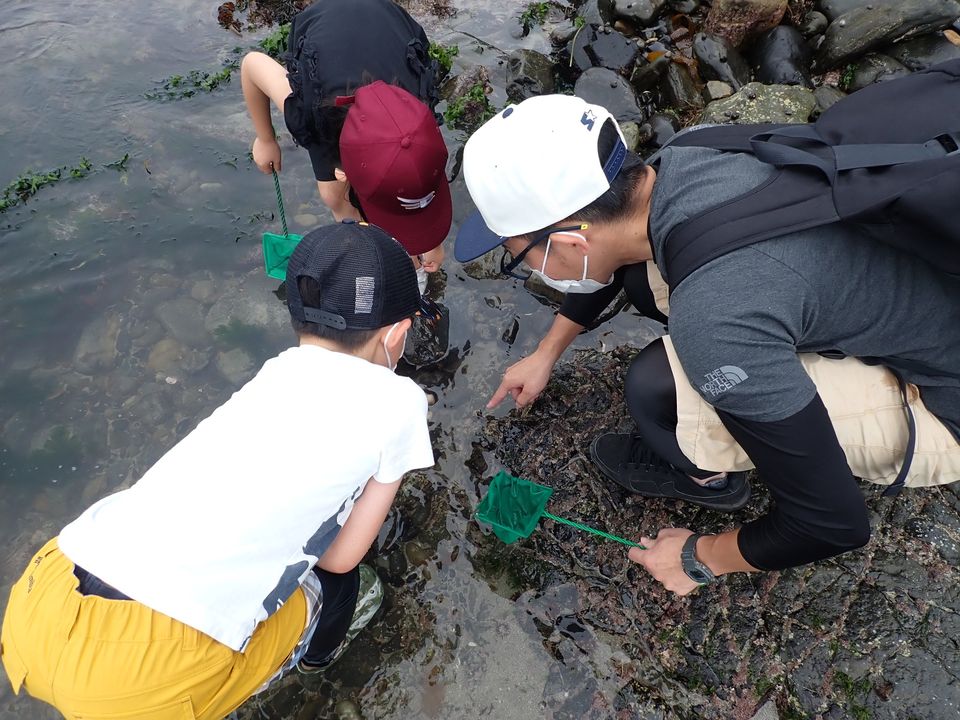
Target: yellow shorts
(99, 659)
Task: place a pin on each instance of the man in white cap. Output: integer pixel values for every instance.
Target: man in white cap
(739, 382)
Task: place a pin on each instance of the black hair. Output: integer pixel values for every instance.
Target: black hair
(349, 340)
(617, 202)
(328, 119)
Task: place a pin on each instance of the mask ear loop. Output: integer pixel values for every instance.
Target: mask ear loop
(574, 234)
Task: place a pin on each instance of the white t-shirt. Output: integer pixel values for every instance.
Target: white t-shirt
(222, 530)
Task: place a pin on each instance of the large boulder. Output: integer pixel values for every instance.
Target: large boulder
(97, 347)
(883, 21)
(529, 73)
(604, 87)
(603, 47)
(922, 52)
(874, 68)
(756, 103)
(639, 12)
(781, 57)
(736, 20)
(719, 60)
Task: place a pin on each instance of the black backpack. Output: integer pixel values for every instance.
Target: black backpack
(885, 160)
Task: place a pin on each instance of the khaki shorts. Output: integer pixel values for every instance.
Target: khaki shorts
(867, 413)
(99, 659)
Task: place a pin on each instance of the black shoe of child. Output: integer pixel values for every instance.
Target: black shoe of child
(625, 459)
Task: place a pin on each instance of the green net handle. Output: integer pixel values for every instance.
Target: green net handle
(283, 215)
(587, 528)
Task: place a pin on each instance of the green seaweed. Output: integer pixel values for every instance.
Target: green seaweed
(846, 79)
(178, 87)
(444, 55)
(275, 44)
(470, 110)
(534, 14)
(29, 183)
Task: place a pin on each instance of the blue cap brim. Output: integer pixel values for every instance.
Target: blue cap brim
(475, 238)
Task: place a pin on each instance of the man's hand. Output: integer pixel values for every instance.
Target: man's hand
(431, 260)
(266, 155)
(524, 380)
(662, 559)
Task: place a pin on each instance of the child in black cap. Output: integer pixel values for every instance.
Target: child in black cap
(235, 557)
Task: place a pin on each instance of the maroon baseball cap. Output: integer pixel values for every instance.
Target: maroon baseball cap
(395, 159)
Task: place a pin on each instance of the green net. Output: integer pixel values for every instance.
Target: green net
(512, 507)
(277, 250)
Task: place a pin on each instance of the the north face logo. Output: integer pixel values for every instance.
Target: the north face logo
(722, 379)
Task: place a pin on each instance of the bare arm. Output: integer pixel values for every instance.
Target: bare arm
(356, 536)
(264, 79)
(526, 379)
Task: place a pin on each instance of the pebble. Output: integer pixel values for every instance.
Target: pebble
(716, 90)
(307, 220)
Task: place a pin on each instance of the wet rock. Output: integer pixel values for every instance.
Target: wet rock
(756, 103)
(922, 52)
(737, 20)
(540, 289)
(97, 347)
(639, 12)
(485, 267)
(781, 57)
(591, 13)
(874, 68)
(429, 340)
(719, 60)
(632, 135)
(767, 711)
(647, 75)
(236, 366)
(814, 23)
(203, 291)
(883, 21)
(835, 8)
(825, 97)
(602, 86)
(679, 90)
(529, 73)
(183, 318)
(257, 309)
(663, 127)
(169, 357)
(716, 90)
(684, 6)
(603, 47)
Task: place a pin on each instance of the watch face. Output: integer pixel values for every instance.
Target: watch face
(699, 575)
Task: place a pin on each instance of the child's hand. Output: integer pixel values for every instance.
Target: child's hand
(266, 154)
(432, 259)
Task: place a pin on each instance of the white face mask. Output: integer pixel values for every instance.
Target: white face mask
(421, 280)
(583, 285)
(390, 363)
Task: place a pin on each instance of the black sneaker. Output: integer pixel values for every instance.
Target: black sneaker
(625, 459)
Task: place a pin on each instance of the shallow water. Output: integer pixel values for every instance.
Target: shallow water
(134, 303)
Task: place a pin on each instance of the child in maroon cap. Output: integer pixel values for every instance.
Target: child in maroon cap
(376, 150)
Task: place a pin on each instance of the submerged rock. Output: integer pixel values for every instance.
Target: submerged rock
(605, 87)
(719, 60)
(737, 20)
(97, 347)
(183, 319)
(876, 67)
(781, 57)
(882, 21)
(529, 73)
(603, 47)
(236, 366)
(756, 103)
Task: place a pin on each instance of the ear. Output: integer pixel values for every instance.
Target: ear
(577, 241)
(339, 174)
(395, 341)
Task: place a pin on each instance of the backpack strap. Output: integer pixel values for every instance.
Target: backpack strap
(895, 488)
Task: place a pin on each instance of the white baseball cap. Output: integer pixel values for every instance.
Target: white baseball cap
(532, 165)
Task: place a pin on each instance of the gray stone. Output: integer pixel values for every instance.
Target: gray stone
(736, 20)
(679, 90)
(814, 23)
(306, 220)
(663, 126)
(529, 73)
(781, 57)
(97, 347)
(719, 60)
(203, 291)
(767, 711)
(169, 357)
(716, 90)
(631, 134)
(922, 52)
(603, 47)
(591, 12)
(826, 96)
(861, 29)
(640, 12)
(606, 88)
(183, 319)
(874, 68)
(835, 8)
(756, 103)
(236, 366)
(647, 74)
(257, 308)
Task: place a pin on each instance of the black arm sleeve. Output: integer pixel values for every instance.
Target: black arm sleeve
(584, 308)
(818, 509)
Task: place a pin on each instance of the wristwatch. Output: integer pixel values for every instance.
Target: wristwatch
(695, 570)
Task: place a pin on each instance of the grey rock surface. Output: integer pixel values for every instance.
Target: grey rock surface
(883, 21)
(529, 73)
(182, 317)
(924, 51)
(781, 56)
(605, 87)
(603, 47)
(719, 60)
(716, 90)
(639, 12)
(874, 68)
(97, 347)
(678, 89)
(756, 103)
